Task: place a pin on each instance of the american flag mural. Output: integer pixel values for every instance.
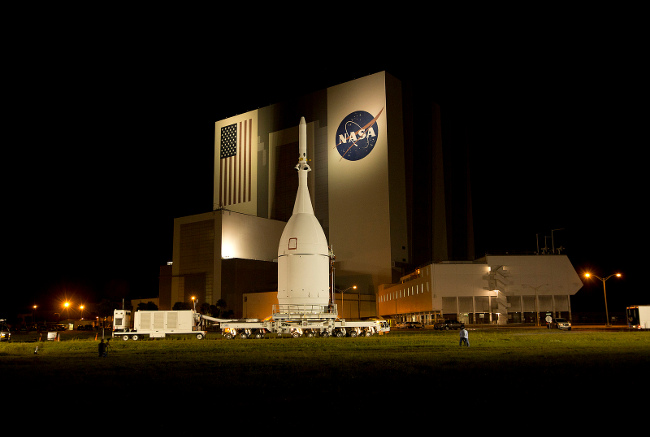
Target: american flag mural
(235, 163)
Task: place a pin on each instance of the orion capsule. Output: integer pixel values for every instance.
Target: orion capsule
(303, 256)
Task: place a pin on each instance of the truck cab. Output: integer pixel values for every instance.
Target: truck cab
(122, 321)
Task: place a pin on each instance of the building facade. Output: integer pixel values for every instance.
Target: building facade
(494, 289)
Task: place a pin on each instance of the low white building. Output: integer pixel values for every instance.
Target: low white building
(493, 289)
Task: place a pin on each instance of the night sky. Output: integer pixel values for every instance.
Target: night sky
(115, 139)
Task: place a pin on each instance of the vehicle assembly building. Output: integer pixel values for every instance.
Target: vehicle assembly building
(382, 189)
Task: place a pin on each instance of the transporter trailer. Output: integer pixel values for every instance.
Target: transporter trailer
(303, 321)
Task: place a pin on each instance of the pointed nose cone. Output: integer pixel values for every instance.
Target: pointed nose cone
(302, 140)
(303, 201)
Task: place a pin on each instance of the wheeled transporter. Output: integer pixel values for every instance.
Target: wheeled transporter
(303, 321)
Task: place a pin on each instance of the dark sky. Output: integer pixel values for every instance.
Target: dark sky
(115, 139)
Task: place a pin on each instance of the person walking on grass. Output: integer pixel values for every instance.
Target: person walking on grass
(464, 337)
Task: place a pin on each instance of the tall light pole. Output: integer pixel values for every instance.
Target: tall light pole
(354, 287)
(618, 275)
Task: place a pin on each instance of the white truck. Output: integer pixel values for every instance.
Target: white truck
(156, 324)
(638, 316)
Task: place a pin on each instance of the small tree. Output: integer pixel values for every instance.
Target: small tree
(179, 306)
(149, 306)
(221, 305)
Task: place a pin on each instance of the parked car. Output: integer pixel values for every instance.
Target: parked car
(448, 324)
(561, 324)
(414, 325)
(410, 325)
(5, 334)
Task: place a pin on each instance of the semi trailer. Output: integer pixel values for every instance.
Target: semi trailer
(156, 324)
(638, 316)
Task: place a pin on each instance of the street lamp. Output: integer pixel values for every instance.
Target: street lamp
(618, 275)
(34, 315)
(354, 287)
(66, 307)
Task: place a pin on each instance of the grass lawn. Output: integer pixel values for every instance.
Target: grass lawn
(507, 368)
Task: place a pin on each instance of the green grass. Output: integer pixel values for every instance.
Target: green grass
(506, 364)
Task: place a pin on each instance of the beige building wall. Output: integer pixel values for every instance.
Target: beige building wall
(202, 241)
(367, 207)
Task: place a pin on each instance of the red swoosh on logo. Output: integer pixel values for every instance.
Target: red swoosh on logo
(370, 123)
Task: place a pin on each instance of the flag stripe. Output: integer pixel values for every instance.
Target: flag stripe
(220, 182)
(242, 188)
(244, 171)
(239, 164)
(250, 155)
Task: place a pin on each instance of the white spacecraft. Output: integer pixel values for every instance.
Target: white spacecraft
(303, 256)
(304, 307)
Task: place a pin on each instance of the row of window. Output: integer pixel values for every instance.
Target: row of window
(412, 290)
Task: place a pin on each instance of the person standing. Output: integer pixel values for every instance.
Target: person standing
(464, 336)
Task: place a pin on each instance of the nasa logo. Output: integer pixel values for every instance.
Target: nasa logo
(357, 135)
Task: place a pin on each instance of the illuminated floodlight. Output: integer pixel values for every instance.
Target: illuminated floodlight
(603, 280)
